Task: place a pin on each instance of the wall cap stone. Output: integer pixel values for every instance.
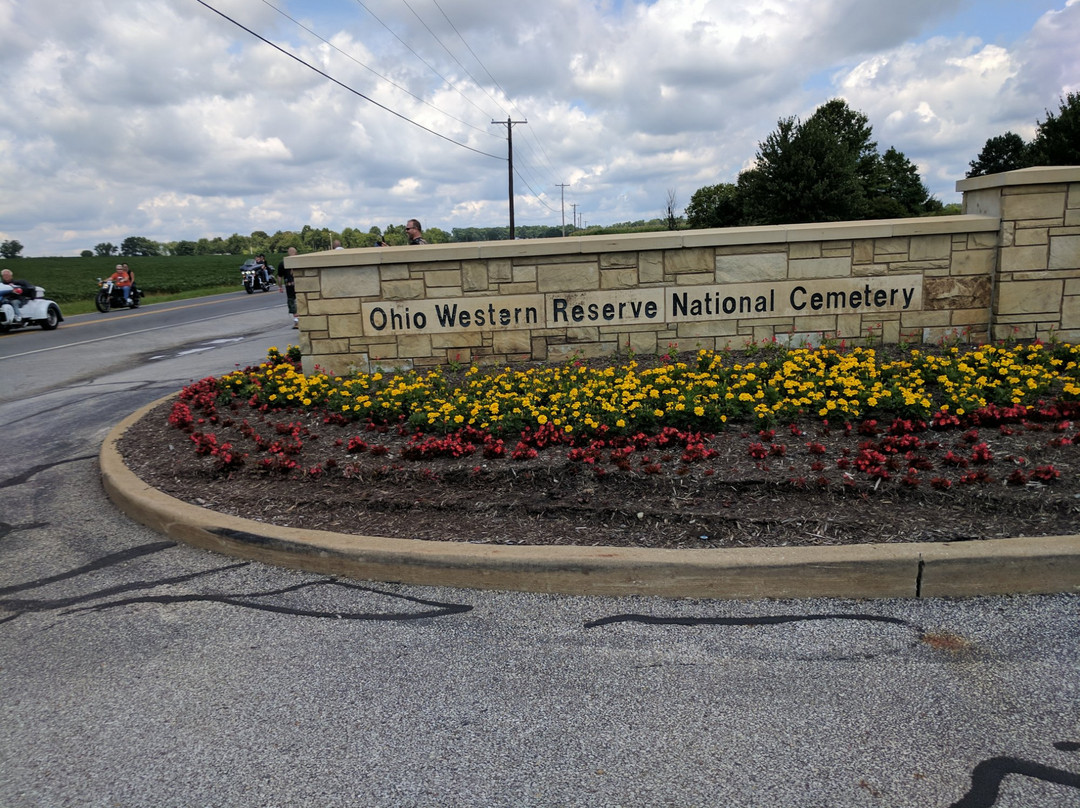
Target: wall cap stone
(639, 242)
(1036, 175)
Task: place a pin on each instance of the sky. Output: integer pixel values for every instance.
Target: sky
(183, 119)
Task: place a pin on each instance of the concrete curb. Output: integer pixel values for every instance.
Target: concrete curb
(991, 567)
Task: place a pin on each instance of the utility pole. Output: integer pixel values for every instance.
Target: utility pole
(510, 151)
(574, 206)
(562, 205)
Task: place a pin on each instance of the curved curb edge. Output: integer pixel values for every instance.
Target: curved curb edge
(1028, 565)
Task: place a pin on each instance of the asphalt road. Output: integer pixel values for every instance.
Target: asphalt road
(138, 672)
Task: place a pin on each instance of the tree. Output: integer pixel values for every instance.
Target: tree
(259, 242)
(1057, 140)
(804, 173)
(10, 249)
(1002, 153)
(283, 239)
(105, 249)
(138, 246)
(86, 254)
(395, 235)
(237, 244)
(715, 206)
(184, 247)
(671, 217)
(901, 191)
(827, 168)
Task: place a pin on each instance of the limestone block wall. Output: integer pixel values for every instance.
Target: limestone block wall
(1037, 292)
(1007, 267)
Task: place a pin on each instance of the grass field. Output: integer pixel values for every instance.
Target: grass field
(73, 281)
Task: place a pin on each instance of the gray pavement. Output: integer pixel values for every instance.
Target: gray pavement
(139, 672)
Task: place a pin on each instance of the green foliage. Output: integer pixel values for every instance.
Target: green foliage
(1057, 141)
(715, 206)
(71, 279)
(826, 168)
(1006, 152)
(900, 188)
(134, 246)
(806, 172)
(10, 249)
(105, 248)
(503, 233)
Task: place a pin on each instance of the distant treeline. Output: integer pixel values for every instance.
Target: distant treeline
(312, 239)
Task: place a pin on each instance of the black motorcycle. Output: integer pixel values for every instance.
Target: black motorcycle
(111, 296)
(257, 277)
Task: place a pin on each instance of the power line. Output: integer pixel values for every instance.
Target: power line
(452, 56)
(421, 58)
(447, 81)
(346, 86)
(494, 81)
(506, 95)
(539, 198)
(377, 73)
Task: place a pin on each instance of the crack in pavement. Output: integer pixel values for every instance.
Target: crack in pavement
(104, 562)
(988, 775)
(7, 529)
(31, 472)
(247, 600)
(240, 600)
(28, 605)
(766, 620)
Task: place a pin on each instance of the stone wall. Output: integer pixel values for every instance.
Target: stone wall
(1037, 291)
(1009, 266)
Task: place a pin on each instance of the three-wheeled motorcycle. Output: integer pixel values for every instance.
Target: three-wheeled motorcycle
(36, 309)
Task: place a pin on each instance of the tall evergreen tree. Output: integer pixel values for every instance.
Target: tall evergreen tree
(827, 168)
(1002, 153)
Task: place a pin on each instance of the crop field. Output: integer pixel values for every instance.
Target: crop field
(67, 280)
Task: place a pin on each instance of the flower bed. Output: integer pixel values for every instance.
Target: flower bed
(915, 426)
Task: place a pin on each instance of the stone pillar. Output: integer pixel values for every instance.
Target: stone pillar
(1037, 279)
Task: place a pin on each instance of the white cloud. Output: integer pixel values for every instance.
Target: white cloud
(160, 118)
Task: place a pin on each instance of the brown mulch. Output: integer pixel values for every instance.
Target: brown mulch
(651, 497)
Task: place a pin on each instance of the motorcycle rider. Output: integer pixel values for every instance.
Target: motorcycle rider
(262, 270)
(20, 290)
(122, 278)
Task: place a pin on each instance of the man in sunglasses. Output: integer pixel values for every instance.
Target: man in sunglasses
(414, 232)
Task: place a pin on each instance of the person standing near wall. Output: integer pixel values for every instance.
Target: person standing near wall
(414, 232)
(287, 284)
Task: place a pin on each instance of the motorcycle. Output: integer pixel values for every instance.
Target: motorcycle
(35, 310)
(257, 276)
(111, 296)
